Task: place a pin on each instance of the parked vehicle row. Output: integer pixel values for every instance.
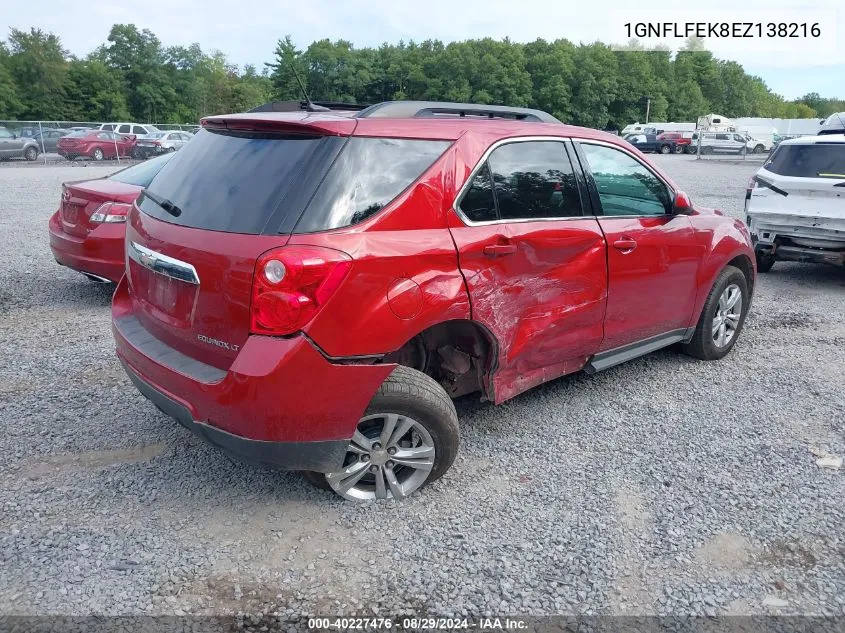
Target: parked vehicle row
(127, 140)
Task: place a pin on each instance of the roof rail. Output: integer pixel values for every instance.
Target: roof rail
(297, 106)
(435, 109)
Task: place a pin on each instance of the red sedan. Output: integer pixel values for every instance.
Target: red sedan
(95, 144)
(87, 231)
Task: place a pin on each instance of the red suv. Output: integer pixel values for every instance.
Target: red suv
(310, 290)
(681, 143)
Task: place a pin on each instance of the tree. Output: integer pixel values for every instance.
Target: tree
(10, 105)
(282, 77)
(38, 68)
(94, 93)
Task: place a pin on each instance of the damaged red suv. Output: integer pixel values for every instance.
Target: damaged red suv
(310, 290)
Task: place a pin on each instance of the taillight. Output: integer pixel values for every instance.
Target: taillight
(110, 212)
(752, 184)
(291, 284)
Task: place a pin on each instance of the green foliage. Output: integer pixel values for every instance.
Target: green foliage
(133, 76)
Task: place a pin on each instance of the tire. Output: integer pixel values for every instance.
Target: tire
(702, 344)
(758, 149)
(98, 154)
(415, 398)
(665, 149)
(679, 149)
(765, 261)
(170, 150)
(31, 154)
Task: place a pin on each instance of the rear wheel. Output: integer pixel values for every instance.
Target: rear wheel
(679, 149)
(722, 318)
(408, 437)
(97, 154)
(765, 261)
(665, 149)
(30, 154)
(758, 149)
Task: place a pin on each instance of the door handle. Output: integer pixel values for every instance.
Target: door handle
(626, 245)
(497, 250)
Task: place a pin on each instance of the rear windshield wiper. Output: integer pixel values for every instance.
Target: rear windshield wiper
(771, 185)
(164, 203)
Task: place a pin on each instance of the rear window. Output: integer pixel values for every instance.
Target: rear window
(368, 175)
(238, 181)
(141, 175)
(818, 160)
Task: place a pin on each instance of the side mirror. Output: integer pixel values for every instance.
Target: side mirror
(14, 135)
(681, 205)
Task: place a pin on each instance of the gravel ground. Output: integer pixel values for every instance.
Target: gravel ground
(663, 486)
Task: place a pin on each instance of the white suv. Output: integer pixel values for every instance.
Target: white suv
(795, 204)
(140, 130)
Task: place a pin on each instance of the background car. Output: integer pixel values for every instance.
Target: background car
(653, 143)
(794, 204)
(682, 142)
(87, 230)
(720, 143)
(49, 137)
(12, 145)
(95, 144)
(161, 142)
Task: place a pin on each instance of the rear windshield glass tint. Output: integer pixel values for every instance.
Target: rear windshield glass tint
(233, 181)
(368, 174)
(819, 160)
(141, 175)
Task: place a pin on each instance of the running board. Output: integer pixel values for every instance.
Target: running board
(618, 355)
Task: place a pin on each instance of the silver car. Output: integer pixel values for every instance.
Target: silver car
(161, 142)
(13, 145)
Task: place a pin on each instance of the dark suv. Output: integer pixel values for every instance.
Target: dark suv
(311, 289)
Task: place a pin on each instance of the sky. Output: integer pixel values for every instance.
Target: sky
(247, 31)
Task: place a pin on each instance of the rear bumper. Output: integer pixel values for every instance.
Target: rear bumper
(100, 253)
(282, 402)
(799, 237)
(317, 456)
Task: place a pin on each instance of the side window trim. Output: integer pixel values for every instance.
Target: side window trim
(484, 162)
(594, 192)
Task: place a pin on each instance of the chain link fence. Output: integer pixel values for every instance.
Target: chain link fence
(31, 140)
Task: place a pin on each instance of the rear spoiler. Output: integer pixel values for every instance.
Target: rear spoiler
(309, 124)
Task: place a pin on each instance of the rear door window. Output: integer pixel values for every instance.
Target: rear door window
(242, 182)
(137, 129)
(124, 129)
(478, 203)
(534, 181)
(368, 175)
(817, 160)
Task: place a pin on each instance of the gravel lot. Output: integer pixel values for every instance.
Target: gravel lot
(665, 485)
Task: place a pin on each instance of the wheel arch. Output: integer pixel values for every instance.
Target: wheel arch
(460, 354)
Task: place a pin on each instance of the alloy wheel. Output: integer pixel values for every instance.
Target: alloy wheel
(727, 317)
(390, 456)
